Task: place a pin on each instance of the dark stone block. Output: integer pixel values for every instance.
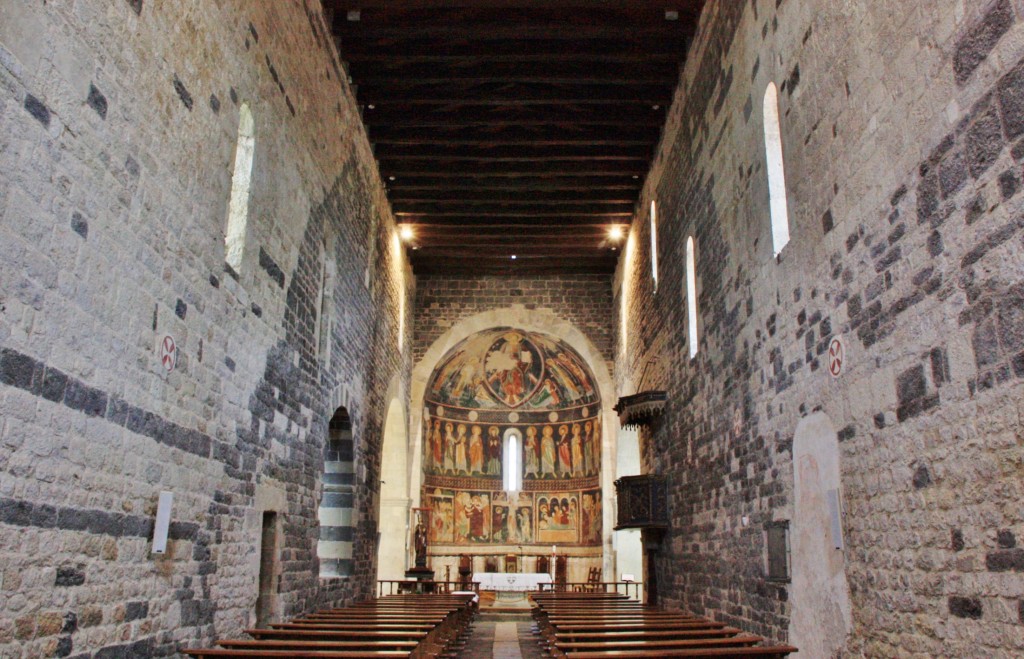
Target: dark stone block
(179, 88)
(1005, 539)
(956, 539)
(70, 625)
(214, 103)
(975, 210)
(230, 363)
(196, 612)
(889, 259)
(257, 310)
(138, 650)
(880, 420)
(984, 142)
(1018, 365)
(233, 95)
(935, 246)
(922, 477)
(97, 101)
(1005, 560)
(847, 433)
(940, 366)
(897, 196)
(1010, 321)
(69, 576)
(827, 221)
(1011, 100)
(54, 385)
(991, 241)
(910, 385)
(974, 46)
(853, 306)
(180, 309)
(135, 611)
(214, 281)
(965, 607)
(271, 267)
(1008, 184)
(64, 647)
(81, 397)
(136, 6)
(17, 369)
(927, 197)
(131, 165)
(952, 174)
(79, 225)
(37, 109)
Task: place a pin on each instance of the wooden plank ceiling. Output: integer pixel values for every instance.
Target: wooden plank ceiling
(506, 127)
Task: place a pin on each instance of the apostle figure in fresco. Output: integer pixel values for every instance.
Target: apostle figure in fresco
(531, 465)
(493, 451)
(525, 521)
(543, 520)
(588, 448)
(577, 450)
(476, 451)
(547, 452)
(564, 452)
(462, 507)
(461, 461)
(437, 446)
(449, 448)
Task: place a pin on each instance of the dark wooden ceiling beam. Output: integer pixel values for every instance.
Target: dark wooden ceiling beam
(401, 198)
(453, 95)
(528, 206)
(517, 153)
(512, 134)
(501, 116)
(486, 31)
(398, 72)
(556, 48)
(481, 169)
(515, 219)
(414, 184)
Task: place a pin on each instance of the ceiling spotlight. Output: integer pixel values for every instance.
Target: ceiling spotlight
(671, 15)
(371, 106)
(653, 107)
(636, 176)
(615, 233)
(354, 15)
(513, 257)
(406, 232)
(391, 178)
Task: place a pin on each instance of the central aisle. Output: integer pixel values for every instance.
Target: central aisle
(501, 637)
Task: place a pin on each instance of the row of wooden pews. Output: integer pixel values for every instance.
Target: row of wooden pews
(596, 625)
(406, 625)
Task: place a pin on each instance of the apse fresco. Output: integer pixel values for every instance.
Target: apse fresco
(495, 517)
(495, 387)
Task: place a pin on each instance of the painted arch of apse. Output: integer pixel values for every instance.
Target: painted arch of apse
(498, 380)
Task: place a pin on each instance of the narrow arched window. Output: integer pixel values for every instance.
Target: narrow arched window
(238, 206)
(337, 524)
(654, 244)
(691, 296)
(512, 479)
(776, 169)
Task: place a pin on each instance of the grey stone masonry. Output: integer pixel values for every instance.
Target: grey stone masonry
(903, 141)
(119, 126)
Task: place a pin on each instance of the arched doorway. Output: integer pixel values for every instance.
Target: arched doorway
(393, 553)
(334, 548)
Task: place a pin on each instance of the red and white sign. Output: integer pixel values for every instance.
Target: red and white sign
(836, 356)
(168, 353)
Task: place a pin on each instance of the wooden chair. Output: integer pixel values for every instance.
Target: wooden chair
(511, 563)
(543, 564)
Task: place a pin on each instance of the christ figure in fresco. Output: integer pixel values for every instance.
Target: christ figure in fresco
(437, 445)
(475, 512)
(547, 451)
(530, 462)
(476, 451)
(588, 449)
(564, 451)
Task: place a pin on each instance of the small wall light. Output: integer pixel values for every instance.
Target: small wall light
(406, 232)
(615, 233)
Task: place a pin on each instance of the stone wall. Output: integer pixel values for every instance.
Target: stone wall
(901, 125)
(118, 123)
(583, 300)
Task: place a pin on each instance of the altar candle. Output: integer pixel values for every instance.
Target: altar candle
(552, 549)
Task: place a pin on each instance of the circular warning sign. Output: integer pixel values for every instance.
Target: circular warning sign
(836, 356)
(168, 353)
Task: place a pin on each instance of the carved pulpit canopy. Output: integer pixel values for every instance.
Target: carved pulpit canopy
(642, 502)
(640, 409)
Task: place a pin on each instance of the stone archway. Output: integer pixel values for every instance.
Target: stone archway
(821, 616)
(536, 320)
(393, 520)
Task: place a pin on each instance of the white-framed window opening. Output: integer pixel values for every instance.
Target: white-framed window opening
(776, 169)
(654, 244)
(512, 477)
(241, 179)
(691, 296)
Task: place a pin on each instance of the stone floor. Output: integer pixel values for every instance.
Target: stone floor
(502, 637)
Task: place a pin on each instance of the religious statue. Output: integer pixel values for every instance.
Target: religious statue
(420, 543)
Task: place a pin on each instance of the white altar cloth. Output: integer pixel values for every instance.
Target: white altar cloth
(518, 581)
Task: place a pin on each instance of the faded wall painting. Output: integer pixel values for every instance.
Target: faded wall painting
(506, 382)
